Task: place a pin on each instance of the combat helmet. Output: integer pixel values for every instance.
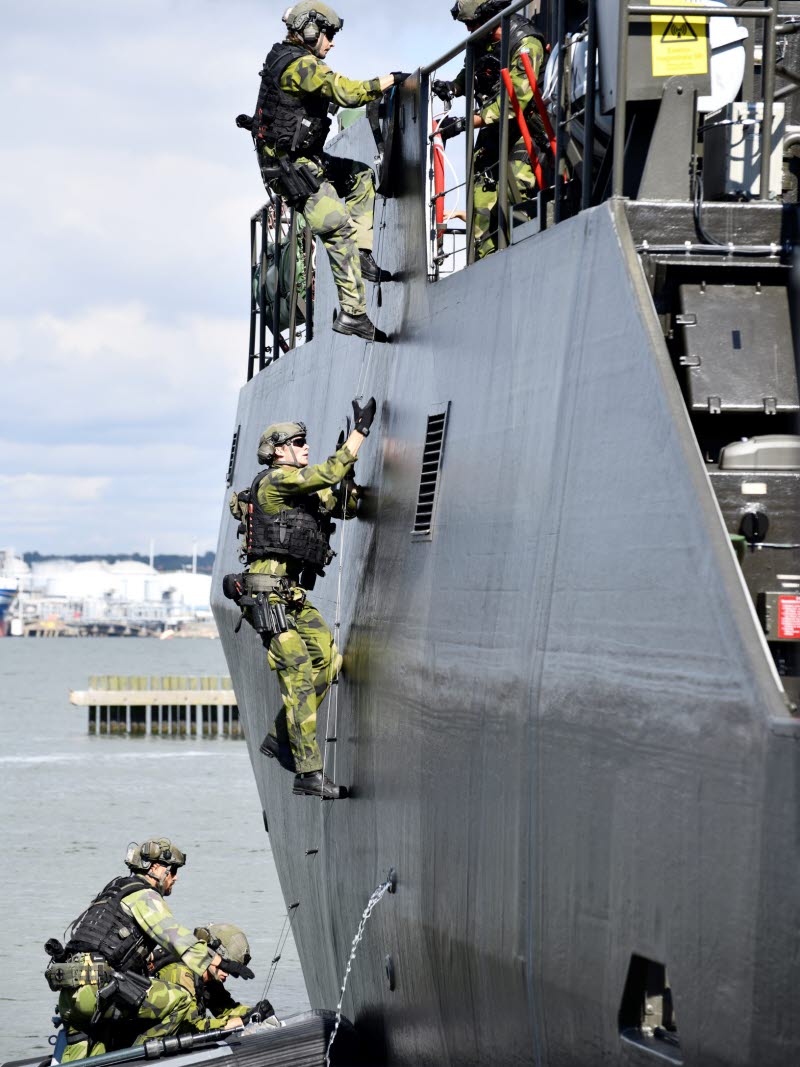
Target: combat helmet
(476, 10)
(310, 18)
(277, 434)
(229, 940)
(140, 858)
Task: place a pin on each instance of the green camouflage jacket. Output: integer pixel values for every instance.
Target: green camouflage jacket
(308, 74)
(211, 996)
(148, 909)
(284, 482)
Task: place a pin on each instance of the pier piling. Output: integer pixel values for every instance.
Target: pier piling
(160, 706)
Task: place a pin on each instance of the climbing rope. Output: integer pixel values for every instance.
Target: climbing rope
(333, 703)
(283, 937)
(332, 709)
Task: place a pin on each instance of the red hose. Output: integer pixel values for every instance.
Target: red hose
(537, 96)
(438, 176)
(523, 127)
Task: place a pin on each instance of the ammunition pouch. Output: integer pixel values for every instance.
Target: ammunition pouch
(268, 620)
(251, 592)
(84, 968)
(130, 991)
(297, 182)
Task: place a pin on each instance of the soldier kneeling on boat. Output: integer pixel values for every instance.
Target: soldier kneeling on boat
(286, 523)
(107, 999)
(215, 1005)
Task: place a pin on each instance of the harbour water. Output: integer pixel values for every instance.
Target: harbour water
(70, 804)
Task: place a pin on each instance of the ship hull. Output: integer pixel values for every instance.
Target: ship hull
(559, 719)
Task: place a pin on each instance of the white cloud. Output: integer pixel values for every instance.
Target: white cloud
(125, 197)
(16, 489)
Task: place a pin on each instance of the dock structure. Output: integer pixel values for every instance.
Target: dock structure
(160, 706)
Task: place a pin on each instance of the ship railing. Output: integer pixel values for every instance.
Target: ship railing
(281, 295)
(629, 11)
(591, 182)
(461, 252)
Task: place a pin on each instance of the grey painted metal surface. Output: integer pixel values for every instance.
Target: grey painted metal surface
(559, 719)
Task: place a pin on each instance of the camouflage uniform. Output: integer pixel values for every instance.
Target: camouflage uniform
(210, 996)
(305, 658)
(521, 180)
(340, 212)
(166, 1008)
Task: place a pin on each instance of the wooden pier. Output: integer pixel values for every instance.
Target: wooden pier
(160, 707)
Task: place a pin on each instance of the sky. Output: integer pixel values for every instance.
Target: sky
(125, 196)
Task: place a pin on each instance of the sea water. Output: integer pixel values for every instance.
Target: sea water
(70, 803)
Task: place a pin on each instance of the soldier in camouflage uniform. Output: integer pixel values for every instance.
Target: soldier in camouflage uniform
(106, 999)
(336, 196)
(521, 180)
(215, 1005)
(291, 503)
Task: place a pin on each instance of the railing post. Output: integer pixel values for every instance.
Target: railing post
(251, 349)
(293, 277)
(276, 304)
(427, 150)
(503, 227)
(308, 250)
(588, 122)
(469, 165)
(768, 94)
(558, 191)
(620, 116)
(262, 294)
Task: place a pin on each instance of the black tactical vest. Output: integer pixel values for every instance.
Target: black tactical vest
(294, 123)
(487, 59)
(300, 533)
(105, 928)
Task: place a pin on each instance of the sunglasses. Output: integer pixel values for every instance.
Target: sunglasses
(299, 441)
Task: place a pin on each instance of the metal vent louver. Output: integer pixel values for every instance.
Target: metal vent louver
(429, 476)
(232, 460)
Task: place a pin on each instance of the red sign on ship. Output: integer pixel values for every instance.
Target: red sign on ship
(789, 617)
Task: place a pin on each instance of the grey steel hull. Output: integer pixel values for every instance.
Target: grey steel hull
(559, 719)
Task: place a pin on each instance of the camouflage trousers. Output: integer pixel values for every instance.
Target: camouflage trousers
(521, 188)
(306, 661)
(341, 214)
(165, 1010)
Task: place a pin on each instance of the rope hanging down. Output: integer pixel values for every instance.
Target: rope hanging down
(333, 688)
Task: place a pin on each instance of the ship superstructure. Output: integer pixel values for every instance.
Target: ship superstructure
(570, 610)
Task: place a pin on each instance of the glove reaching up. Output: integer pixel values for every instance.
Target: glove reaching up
(363, 416)
(443, 89)
(451, 126)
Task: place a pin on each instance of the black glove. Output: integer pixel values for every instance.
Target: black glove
(452, 126)
(237, 970)
(244, 122)
(261, 1011)
(399, 76)
(363, 417)
(444, 90)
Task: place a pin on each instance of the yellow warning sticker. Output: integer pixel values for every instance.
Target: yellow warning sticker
(679, 43)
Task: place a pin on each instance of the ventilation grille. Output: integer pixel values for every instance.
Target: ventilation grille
(232, 460)
(429, 477)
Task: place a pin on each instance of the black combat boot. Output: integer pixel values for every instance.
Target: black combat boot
(358, 326)
(272, 749)
(370, 269)
(317, 784)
